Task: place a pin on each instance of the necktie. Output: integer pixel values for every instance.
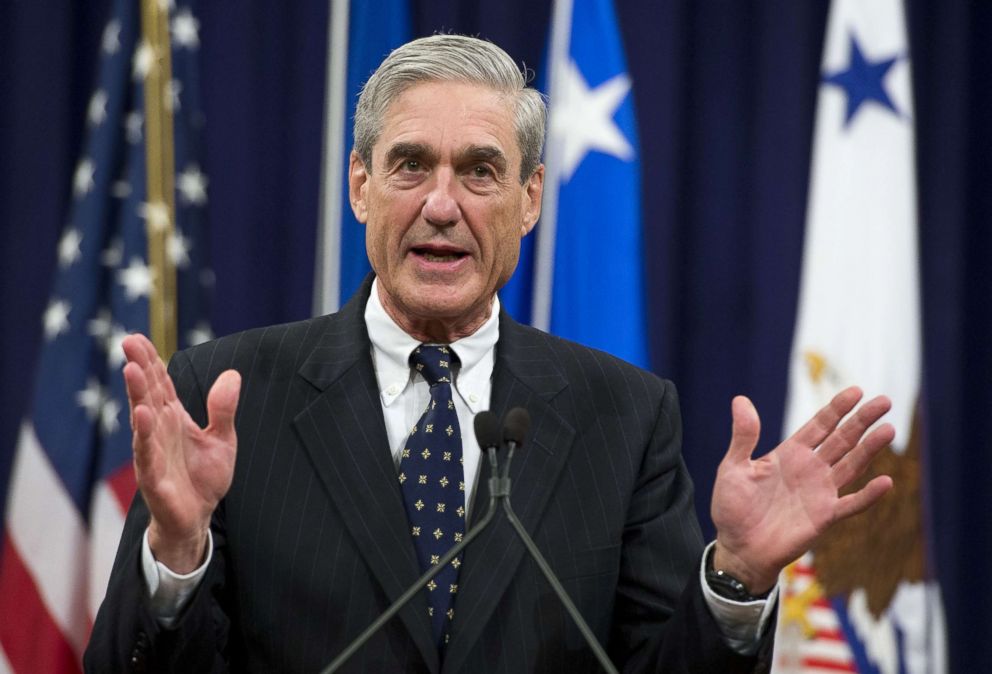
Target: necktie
(433, 484)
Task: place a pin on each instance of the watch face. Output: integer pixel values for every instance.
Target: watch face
(728, 587)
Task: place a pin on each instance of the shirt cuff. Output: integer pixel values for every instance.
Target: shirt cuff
(170, 592)
(741, 623)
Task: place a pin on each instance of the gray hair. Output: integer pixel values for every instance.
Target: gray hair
(451, 58)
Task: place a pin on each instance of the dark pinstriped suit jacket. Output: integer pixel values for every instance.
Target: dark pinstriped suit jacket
(312, 541)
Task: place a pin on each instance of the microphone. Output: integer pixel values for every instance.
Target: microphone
(514, 432)
(487, 432)
(516, 427)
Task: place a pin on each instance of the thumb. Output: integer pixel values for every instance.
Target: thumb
(746, 430)
(222, 403)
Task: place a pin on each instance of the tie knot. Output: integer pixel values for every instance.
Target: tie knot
(434, 362)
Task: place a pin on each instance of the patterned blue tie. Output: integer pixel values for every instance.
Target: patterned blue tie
(433, 484)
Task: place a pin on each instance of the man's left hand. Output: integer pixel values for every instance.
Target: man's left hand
(769, 511)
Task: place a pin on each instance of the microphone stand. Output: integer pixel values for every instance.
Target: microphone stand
(421, 582)
(501, 490)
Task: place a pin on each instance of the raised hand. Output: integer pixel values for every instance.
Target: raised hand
(182, 470)
(770, 510)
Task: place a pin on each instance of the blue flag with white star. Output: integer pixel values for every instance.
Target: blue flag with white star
(72, 479)
(588, 261)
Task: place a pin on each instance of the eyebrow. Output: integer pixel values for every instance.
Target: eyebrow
(484, 153)
(409, 150)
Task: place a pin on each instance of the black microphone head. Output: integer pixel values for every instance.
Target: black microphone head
(516, 426)
(486, 430)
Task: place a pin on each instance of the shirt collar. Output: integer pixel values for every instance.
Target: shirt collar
(391, 348)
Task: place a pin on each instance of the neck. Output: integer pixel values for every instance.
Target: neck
(433, 330)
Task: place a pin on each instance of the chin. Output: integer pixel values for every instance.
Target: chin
(441, 293)
(440, 308)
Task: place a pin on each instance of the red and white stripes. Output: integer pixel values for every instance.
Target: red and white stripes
(54, 569)
(810, 629)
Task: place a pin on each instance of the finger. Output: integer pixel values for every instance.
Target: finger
(136, 386)
(855, 462)
(864, 498)
(134, 349)
(143, 423)
(158, 377)
(139, 390)
(147, 463)
(222, 403)
(142, 416)
(139, 350)
(746, 430)
(161, 387)
(151, 353)
(823, 423)
(849, 434)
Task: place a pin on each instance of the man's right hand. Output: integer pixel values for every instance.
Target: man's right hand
(183, 471)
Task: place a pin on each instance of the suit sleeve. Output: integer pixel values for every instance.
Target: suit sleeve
(661, 621)
(126, 637)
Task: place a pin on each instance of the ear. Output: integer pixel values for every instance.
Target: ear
(358, 182)
(533, 191)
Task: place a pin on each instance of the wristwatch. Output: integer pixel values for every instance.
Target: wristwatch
(726, 585)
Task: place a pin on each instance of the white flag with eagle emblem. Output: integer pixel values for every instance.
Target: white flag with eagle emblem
(863, 600)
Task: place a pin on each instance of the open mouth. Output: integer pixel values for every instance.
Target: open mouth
(436, 254)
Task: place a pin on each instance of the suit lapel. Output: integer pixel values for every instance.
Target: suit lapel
(525, 375)
(344, 434)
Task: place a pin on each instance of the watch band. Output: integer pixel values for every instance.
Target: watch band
(726, 586)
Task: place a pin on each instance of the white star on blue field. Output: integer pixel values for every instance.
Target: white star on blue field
(863, 80)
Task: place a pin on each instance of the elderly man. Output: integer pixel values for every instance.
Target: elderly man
(274, 562)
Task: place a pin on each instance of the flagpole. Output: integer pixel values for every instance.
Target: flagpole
(327, 267)
(160, 168)
(547, 230)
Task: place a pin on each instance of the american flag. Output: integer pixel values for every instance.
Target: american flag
(72, 479)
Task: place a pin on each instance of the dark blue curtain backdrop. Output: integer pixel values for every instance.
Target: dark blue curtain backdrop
(725, 94)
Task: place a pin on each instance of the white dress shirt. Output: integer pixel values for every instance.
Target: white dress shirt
(404, 395)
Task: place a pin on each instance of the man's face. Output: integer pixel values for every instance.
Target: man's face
(443, 206)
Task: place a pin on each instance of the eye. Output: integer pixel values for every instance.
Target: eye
(411, 165)
(481, 171)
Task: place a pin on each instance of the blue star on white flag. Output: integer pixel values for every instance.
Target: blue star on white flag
(863, 80)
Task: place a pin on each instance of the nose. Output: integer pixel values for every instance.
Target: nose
(441, 207)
